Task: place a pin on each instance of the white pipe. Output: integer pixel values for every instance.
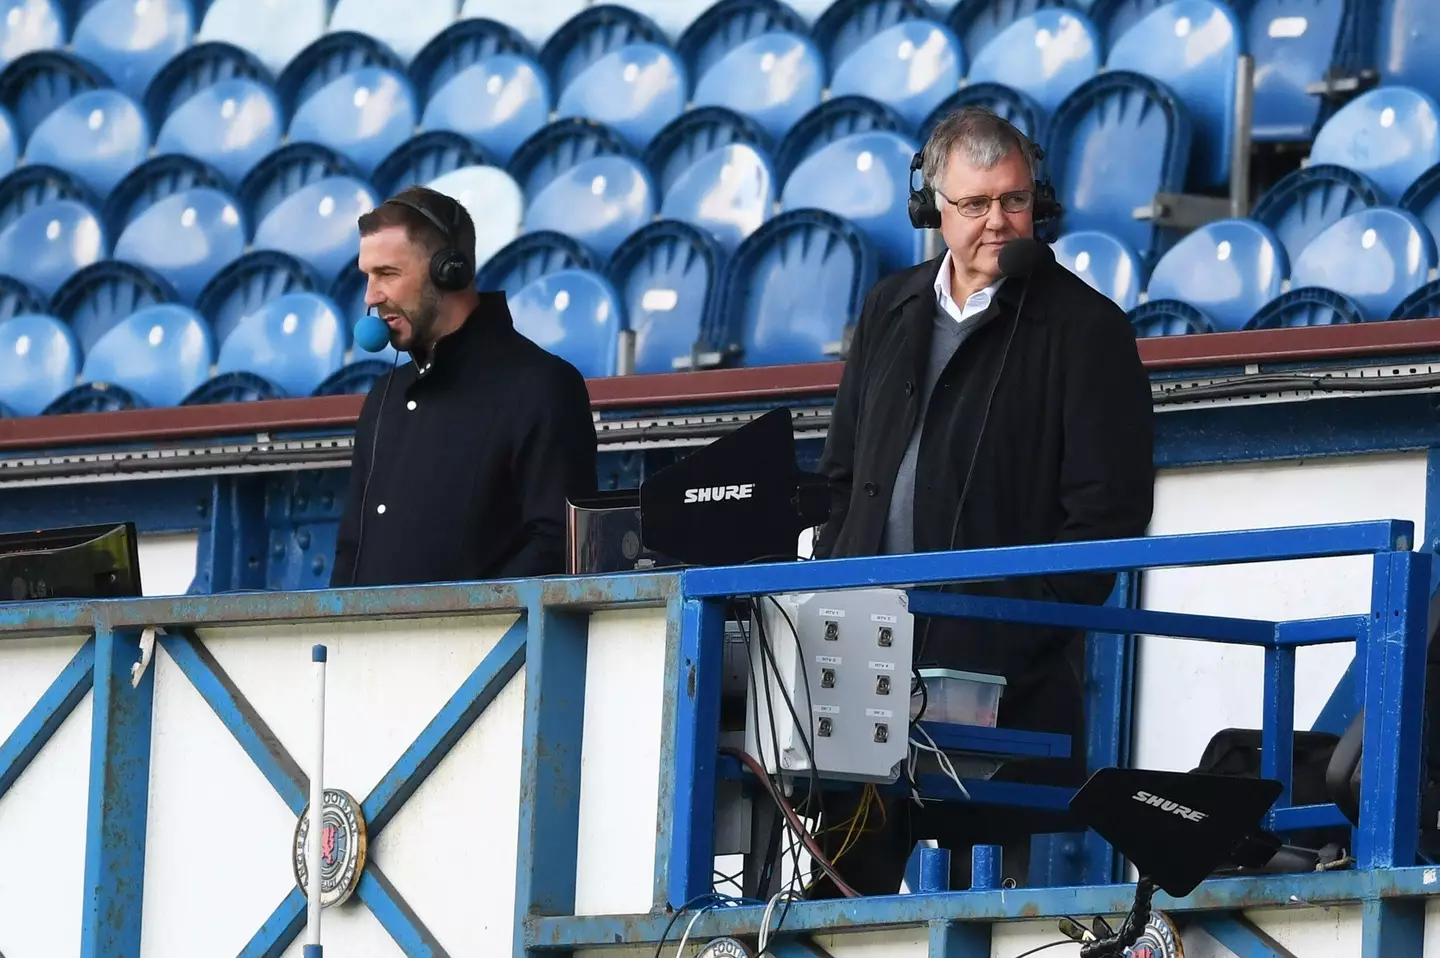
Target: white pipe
(314, 864)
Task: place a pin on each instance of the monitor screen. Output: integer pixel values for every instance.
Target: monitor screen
(80, 562)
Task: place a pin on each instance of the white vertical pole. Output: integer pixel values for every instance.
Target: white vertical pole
(313, 861)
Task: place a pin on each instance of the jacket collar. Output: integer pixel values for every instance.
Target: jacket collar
(488, 324)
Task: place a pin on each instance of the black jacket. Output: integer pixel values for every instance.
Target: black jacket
(473, 461)
(1067, 454)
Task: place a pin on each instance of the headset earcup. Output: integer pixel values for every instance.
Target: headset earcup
(449, 271)
(924, 215)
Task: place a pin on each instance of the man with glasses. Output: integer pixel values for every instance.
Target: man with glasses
(978, 411)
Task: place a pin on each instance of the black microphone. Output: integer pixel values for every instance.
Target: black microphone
(1024, 256)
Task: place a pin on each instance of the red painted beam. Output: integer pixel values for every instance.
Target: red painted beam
(706, 386)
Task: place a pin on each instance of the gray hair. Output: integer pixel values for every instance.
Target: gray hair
(982, 137)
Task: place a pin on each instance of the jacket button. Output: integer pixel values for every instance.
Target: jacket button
(871, 489)
(909, 388)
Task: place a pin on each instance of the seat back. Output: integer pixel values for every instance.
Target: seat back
(846, 25)
(830, 121)
(1045, 55)
(911, 66)
(1192, 47)
(30, 25)
(288, 170)
(499, 102)
(1114, 17)
(36, 184)
(730, 24)
(197, 67)
(1294, 43)
(1423, 303)
(39, 359)
(1408, 44)
(425, 157)
(575, 314)
(537, 20)
(865, 178)
(36, 84)
(530, 257)
(493, 200)
(600, 202)
(363, 115)
(1115, 143)
(793, 288)
(558, 148)
(405, 26)
(186, 238)
(100, 296)
(728, 192)
(159, 354)
(699, 132)
(231, 125)
(328, 59)
(774, 78)
(1228, 269)
(1106, 262)
(1390, 134)
(589, 35)
(50, 243)
(977, 22)
(1017, 108)
(98, 137)
(668, 277)
(635, 90)
(1304, 203)
(296, 341)
(1168, 317)
(131, 41)
(246, 284)
(317, 224)
(153, 181)
(1308, 306)
(1423, 199)
(274, 33)
(1376, 257)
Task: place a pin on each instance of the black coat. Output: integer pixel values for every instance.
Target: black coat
(1067, 454)
(473, 462)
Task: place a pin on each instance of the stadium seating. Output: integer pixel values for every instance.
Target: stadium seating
(1045, 56)
(251, 281)
(1294, 43)
(667, 276)
(405, 26)
(1423, 199)
(99, 297)
(273, 30)
(317, 223)
(97, 137)
(977, 22)
(1407, 50)
(48, 244)
(231, 125)
(537, 22)
(151, 358)
(1303, 204)
(39, 359)
(1168, 317)
(574, 313)
(910, 66)
(635, 90)
(1191, 47)
(1376, 257)
(536, 254)
(185, 238)
(1015, 107)
(1225, 270)
(713, 170)
(1390, 135)
(130, 41)
(293, 343)
(363, 115)
(1308, 306)
(1107, 263)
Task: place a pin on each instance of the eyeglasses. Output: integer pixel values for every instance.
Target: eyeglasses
(1016, 201)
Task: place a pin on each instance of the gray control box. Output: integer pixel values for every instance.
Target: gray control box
(855, 647)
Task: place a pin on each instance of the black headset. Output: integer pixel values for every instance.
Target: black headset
(925, 213)
(450, 269)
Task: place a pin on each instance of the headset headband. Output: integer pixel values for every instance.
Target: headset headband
(447, 232)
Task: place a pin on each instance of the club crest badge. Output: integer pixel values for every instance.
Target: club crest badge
(1160, 939)
(724, 948)
(342, 847)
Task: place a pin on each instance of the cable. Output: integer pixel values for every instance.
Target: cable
(370, 471)
(765, 921)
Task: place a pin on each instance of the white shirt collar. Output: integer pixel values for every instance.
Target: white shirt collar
(977, 302)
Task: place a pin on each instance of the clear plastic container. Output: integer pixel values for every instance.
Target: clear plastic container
(959, 698)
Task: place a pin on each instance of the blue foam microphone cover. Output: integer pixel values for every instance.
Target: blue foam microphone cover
(371, 333)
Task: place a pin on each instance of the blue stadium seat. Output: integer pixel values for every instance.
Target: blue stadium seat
(847, 25)
(575, 314)
(423, 158)
(493, 200)
(1294, 43)
(977, 22)
(1304, 203)
(1408, 49)
(729, 24)
(830, 121)
(1168, 317)
(363, 115)
(1192, 48)
(185, 238)
(793, 289)
(1423, 199)
(1227, 269)
(289, 168)
(231, 125)
(37, 83)
(692, 136)
(98, 137)
(599, 202)
(668, 276)
(865, 178)
(1308, 306)
(635, 90)
(530, 257)
(591, 34)
(9, 143)
(317, 224)
(1045, 55)
(537, 21)
(151, 182)
(39, 360)
(775, 79)
(295, 342)
(328, 59)
(1104, 261)
(30, 25)
(405, 26)
(1376, 257)
(560, 146)
(274, 32)
(1390, 134)
(672, 16)
(131, 40)
(249, 282)
(359, 376)
(1114, 17)
(911, 66)
(18, 298)
(713, 170)
(197, 67)
(1424, 303)
(1022, 112)
(480, 78)
(1115, 143)
(48, 244)
(35, 184)
(99, 297)
(153, 357)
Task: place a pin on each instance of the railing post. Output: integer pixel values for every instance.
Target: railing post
(1393, 688)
